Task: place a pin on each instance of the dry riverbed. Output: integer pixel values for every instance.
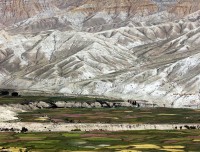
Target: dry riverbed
(66, 127)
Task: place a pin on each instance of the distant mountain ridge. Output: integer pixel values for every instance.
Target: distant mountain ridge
(34, 15)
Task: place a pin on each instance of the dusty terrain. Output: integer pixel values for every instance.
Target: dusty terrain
(63, 127)
(141, 50)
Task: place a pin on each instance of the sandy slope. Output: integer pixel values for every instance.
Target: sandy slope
(7, 114)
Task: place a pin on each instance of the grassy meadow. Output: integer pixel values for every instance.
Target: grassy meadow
(27, 99)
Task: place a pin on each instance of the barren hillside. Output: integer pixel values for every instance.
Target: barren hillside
(129, 49)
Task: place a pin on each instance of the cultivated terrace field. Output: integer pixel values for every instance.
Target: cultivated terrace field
(112, 115)
(128, 141)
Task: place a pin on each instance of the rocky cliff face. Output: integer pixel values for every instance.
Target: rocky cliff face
(130, 49)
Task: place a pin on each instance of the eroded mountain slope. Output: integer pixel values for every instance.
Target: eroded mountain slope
(123, 49)
(34, 16)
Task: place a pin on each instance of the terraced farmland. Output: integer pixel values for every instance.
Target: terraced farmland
(113, 115)
(128, 141)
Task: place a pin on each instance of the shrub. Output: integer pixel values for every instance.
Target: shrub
(24, 130)
(76, 130)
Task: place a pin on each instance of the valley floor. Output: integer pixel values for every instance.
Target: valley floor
(40, 126)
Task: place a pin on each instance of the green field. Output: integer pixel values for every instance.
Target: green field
(113, 115)
(27, 99)
(129, 141)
